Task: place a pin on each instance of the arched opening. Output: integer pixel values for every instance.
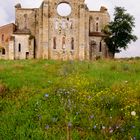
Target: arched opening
(64, 9)
(3, 51)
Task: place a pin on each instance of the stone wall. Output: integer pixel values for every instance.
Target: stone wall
(23, 46)
(5, 34)
(77, 36)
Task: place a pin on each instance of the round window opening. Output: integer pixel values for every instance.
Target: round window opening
(64, 9)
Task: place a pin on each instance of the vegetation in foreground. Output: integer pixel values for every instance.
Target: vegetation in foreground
(56, 100)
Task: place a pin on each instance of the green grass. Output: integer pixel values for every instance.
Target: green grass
(55, 100)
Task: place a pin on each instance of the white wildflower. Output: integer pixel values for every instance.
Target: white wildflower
(133, 113)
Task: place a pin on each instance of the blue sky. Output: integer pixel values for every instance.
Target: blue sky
(132, 6)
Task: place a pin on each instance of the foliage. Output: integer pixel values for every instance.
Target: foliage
(119, 31)
(85, 100)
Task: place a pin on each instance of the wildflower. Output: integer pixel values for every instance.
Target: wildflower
(133, 113)
(103, 127)
(46, 95)
(133, 126)
(134, 138)
(47, 127)
(110, 130)
(49, 81)
(94, 126)
(92, 116)
(77, 113)
(126, 82)
(69, 124)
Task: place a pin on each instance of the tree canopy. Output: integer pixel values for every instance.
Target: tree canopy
(119, 32)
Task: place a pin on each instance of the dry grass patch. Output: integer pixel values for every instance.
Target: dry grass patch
(3, 89)
(18, 66)
(2, 69)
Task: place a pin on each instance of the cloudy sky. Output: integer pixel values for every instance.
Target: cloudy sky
(132, 6)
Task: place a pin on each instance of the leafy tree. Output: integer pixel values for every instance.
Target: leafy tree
(119, 31)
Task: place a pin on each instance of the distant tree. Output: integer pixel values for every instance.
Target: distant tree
(119, 31)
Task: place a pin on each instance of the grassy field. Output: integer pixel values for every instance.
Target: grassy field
(54, 100)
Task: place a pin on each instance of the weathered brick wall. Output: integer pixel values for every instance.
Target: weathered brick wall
(5, 33)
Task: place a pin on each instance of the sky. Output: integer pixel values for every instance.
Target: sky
(7, 15)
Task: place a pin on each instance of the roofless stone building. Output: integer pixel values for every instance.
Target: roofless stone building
(48, 32)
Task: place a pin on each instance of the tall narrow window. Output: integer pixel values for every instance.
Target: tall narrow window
(63, 43)
(91, 27)
(72, 43)
(97, 27)
(54, 43)
(2, 38)
(3, 51)
(25, 21)
(19, 47)
(100, 47)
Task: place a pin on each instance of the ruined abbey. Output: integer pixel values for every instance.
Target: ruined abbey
(46, 33)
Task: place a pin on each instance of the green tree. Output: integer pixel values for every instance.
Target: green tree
(119, 31)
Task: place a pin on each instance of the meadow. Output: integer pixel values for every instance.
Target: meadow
(55, 100)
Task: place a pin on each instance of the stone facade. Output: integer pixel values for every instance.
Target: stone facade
(5, 36)
(43, 33)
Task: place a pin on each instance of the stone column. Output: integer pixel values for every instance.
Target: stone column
(45, 40)
(39, 45)
(82, 31)
(11, 48)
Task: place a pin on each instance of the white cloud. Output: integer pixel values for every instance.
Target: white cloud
(132, 6)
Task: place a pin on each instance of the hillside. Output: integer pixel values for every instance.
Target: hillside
(55, 100)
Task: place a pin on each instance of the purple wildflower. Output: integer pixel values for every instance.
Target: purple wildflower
(46, 95)
(47, 127)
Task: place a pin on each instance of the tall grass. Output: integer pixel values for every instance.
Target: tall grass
(55, 100)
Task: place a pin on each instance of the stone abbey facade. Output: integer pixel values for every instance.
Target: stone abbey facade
(44, 33)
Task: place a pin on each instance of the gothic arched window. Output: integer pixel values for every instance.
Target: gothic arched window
(97, 27)
(3, 51)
